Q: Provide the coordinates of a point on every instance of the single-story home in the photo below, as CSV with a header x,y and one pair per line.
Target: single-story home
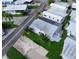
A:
x,y
53,32
22,1
15,8
71,29
56,13
69,49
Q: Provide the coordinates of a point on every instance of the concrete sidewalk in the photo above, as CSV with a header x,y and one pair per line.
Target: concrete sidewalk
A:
x,y
27,46
5,57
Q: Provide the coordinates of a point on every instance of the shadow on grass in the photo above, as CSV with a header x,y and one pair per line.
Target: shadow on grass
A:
x,y
14,54
8,25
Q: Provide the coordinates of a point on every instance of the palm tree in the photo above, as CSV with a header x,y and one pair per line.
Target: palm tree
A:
x,y
8,20
7,16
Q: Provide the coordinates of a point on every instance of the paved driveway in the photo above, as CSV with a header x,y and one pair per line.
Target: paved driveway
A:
x,y
19,20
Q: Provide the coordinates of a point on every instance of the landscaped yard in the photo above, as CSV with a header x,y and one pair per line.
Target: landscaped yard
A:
x,y
54,48
14,54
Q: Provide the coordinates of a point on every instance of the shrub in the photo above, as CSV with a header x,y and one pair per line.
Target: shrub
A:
x,y
8,25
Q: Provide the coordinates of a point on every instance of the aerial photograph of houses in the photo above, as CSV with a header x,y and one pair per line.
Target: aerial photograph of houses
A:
x,y
38,29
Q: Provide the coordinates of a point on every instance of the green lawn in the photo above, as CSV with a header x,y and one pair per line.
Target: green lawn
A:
x,y
23,13
33,7
18,15
14,54
50,1
54,48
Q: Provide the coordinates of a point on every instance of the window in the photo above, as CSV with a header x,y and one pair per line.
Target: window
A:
x,y
57,19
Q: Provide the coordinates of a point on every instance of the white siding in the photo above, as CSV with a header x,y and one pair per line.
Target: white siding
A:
x,y
53,17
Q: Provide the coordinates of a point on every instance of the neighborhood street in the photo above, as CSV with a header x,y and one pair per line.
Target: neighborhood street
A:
x,y
9,41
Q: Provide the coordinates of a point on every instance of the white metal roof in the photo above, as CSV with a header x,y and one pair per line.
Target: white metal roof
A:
x,y
57,6
73,14
69,49
22,1
45,27
70,41
74,20
72,28
15,7
7,0
64,4
57,11
73,5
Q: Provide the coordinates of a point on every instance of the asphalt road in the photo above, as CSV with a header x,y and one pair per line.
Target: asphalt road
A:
x,y
9,41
